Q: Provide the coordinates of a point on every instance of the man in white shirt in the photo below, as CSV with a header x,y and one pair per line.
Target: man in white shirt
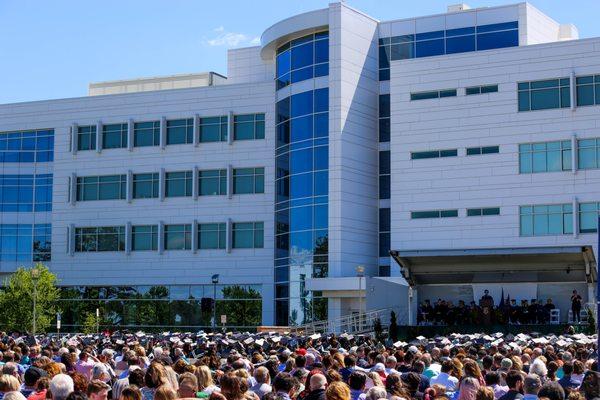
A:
x,y
444,378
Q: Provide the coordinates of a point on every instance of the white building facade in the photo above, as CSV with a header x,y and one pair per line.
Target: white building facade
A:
x,y
465,144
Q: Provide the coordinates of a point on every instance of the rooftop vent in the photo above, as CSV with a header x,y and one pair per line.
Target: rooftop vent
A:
x,y
458,7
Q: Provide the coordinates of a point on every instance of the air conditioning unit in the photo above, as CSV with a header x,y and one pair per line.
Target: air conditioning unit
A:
x,y
458,7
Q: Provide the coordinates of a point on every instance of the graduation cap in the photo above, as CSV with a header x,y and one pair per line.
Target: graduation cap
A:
x,y
260,342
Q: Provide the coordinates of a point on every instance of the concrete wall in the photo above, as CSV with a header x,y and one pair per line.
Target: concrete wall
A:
x,y
353,139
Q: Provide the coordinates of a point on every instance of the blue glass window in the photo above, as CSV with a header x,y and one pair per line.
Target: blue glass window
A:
x,y
588,217
249,127
588,90
544,220
114,136
428,48
107,187
545,157
460,44
544,95
25,243
588,153
213,129
434,214
451,41
302,58
180,131
27,146
497,40
146,134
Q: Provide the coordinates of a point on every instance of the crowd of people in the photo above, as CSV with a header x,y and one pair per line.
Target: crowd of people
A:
x,y
272,366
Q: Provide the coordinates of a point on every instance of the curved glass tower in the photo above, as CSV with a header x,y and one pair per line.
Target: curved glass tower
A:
x,y
301,204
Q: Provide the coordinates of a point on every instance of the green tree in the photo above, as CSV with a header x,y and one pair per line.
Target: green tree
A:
x,y
393,329
244,312
90,323
16,300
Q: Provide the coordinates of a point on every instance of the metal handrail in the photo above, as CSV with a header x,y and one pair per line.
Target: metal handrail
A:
x,y
353,323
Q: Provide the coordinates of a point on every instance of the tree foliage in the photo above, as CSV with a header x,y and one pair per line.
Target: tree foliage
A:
x,y
16,300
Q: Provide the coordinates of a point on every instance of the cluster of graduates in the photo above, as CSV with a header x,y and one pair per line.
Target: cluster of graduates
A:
x,y
275,366
444,312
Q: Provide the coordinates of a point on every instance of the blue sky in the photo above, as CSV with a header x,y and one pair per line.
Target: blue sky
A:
x,y
53,49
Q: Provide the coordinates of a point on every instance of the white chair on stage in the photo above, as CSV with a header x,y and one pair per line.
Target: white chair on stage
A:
x,y
555,316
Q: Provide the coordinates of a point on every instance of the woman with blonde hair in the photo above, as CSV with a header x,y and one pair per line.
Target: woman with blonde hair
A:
x,y
337,391
130,392
472,370
155,377
484,393
165,392
205,380
374,376
467,388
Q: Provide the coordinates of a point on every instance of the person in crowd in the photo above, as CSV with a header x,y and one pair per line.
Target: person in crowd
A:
x,y
61,386
97,390
85,364
30,379
263,382
131,392
567,382
514,381
445,378
357,382
188,385
337,391
8,383
531,387
318,384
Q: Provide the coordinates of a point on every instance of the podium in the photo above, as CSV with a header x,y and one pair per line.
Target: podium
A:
x,y
487,308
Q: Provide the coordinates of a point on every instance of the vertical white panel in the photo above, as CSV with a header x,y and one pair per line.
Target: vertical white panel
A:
x,y
74,131
129,186
229,236
195,236
230,128
196,130
161,237
71,239
161,184
99,136
128,238
73,189
163,132
195,183
573,90
575,217
574,154
229,181
130,130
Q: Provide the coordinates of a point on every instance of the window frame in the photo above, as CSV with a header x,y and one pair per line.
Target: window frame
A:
x,y
257,241
565,214
257,176
257,122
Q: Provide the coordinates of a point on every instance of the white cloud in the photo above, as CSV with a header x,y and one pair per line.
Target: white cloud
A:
x,y
230,39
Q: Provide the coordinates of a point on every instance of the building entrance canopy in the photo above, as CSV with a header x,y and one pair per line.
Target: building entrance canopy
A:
x,y
525,264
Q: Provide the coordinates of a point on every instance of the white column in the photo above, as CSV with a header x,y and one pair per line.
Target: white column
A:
x,y
71,240
74,131
73,189
99,136
575,217
161,184
229,181
196,140
128,238
573,90
161,237
230,128
163,132
130,130
574,154
229,235
195,236
195,183
129,186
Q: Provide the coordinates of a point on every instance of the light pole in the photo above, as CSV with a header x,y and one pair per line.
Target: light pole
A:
x,y
215,280
360,272
35,277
